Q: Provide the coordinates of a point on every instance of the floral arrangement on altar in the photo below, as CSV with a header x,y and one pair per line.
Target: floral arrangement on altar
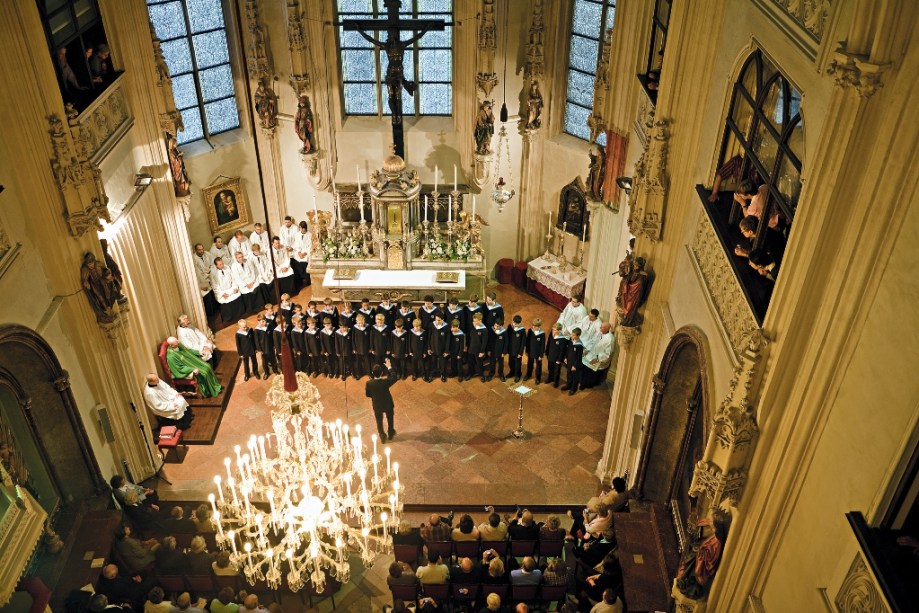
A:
x,y
458,249
349,248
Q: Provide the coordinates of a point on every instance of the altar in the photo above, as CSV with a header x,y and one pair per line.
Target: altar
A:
x,y
397,243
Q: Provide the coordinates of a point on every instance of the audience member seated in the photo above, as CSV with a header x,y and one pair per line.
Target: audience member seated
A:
x,y
138,555
169,406
522,527
465,530
401,573
99,603
199,558
184,604
522,607
496,572
224,603
466,572
251,605
764,264
407,535
436,529
202,519
171,561
616,499
221,565
178,523
527,574
587,527
156,601
593,551
123,588
752,200
591,589
557,572
144,516
552,530
434,572
494,529
774,244
609,604
274,608
145,495
492,603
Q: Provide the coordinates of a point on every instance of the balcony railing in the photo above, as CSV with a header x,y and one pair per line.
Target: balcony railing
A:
x,y
884,573
102,124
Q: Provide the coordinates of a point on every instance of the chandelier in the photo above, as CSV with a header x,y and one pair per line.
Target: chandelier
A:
x,y
301,500
502,192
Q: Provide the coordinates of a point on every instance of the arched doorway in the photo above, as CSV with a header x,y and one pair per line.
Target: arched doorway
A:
x,y
678,426
45,441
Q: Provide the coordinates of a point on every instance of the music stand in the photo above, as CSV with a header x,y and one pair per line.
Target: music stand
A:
x,y
523,392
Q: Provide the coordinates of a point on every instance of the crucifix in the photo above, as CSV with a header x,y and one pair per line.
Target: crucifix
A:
x,y
395,47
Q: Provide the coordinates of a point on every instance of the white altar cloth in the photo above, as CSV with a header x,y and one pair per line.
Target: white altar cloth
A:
x,y
567,284
394,279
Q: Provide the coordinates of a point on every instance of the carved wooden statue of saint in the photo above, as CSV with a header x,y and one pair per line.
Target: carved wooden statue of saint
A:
x,y
534,106
180,182
303,124
484,128
266,106
633,291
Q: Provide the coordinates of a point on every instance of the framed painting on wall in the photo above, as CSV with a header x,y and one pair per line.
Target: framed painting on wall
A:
x,y
226,205
573,215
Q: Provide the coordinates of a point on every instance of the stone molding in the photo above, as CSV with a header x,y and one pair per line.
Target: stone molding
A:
x,y
535,48
170,119
256,48
804,22
596,122
297,44
486,45
651,182
859,592
98,128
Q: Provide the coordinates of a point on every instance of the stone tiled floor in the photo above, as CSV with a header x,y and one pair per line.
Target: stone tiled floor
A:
x,y
454,444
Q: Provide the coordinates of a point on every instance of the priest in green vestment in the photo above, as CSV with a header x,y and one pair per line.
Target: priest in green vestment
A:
x,y
185,364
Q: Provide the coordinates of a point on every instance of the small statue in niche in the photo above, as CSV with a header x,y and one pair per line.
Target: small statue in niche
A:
x,y
484,128
303,124
597,171
534,106
94,287
701,558
266,106
633,291
112,277
180,181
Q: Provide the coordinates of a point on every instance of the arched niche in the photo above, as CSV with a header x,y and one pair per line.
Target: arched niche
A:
x,y
678,425
44,419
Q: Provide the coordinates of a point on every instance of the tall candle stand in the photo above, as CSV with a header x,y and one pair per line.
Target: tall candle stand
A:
x,y
562,259
580,256
547,256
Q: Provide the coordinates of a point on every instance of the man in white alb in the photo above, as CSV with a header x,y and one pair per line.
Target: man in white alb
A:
x,y
194,339
167,404
303,245
239,242
226,292
598,358
590,329
203,262
259,237
265,273
245,272
219,250
287,234
572,314
283,266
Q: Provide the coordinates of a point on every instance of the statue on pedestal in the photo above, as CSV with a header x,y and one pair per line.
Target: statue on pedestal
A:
x,y
534,106
303,124
701,558
484,128
633,291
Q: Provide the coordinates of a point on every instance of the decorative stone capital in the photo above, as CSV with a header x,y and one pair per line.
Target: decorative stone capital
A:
x,y
626,335
185,203
314,170
651,182
81,222
482,169
856,72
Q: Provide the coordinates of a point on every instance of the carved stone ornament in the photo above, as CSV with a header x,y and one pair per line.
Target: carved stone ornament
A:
x,y
171,119
626,335
650,183
536,51
297,44
596,122
685,604
487,43
79,179
257,47
854,71
859,592
481,169
811,15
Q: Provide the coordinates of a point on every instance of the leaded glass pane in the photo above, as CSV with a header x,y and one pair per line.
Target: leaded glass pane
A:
x,y
437,39
221,115
191,118
434,6
581,88
354,6
204,14
167,19
216,83
610,16
749,79
789,182
211,49
795,140
85,12
177,56
436,99
360,99
773,105
584,54
353,39
408,103
765,147
586,19
358,65
576,121
183,90
435,65
742,114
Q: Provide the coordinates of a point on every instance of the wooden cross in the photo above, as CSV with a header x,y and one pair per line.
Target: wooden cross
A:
x,y
395,48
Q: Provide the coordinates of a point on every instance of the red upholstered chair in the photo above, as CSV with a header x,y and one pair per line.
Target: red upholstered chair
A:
x,y
466,549
178,384
500,547
444,548
504,272
407,553
520,275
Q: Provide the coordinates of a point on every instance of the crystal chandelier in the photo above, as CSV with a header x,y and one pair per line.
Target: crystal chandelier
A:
x,y
302,499
502,192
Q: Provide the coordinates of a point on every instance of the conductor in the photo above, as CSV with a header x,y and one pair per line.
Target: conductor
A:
x,y
378,391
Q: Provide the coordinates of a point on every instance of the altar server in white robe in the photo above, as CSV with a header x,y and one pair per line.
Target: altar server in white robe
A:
x,y
597,360
288,233
226,292
265,273
247,280
194,339
572,315
260,237
167,404
204,261
220,250
590,329
239,242
282,265
303,245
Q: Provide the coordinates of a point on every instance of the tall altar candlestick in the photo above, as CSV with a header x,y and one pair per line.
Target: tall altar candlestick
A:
x,y
426,207
436,172
315,211
360,203
473,207
454,178
357,167
449,208
332,176
584,234
338,204
550,221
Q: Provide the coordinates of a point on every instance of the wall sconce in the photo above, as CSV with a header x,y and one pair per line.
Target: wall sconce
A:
x,y
625,183
142,181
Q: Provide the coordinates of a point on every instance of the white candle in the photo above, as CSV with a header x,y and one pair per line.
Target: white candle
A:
x,y
584,234
436,171
332,175
450,208
550,221
338,205
425,207
473,207
315,210
358,168
454,178
360,205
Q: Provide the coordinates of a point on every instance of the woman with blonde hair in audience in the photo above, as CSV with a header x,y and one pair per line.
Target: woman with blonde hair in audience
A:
x,y
492,603
221,565
202,519
465,530
552,530
496,572
199,558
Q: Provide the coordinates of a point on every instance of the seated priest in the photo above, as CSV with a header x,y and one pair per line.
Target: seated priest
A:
x,y
597,359
184,364
167,404
194,339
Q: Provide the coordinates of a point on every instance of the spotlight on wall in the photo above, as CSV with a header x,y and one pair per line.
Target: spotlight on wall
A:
x,y
625,183
142,180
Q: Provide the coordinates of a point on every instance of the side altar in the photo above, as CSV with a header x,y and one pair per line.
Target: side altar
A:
x,y
365,249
